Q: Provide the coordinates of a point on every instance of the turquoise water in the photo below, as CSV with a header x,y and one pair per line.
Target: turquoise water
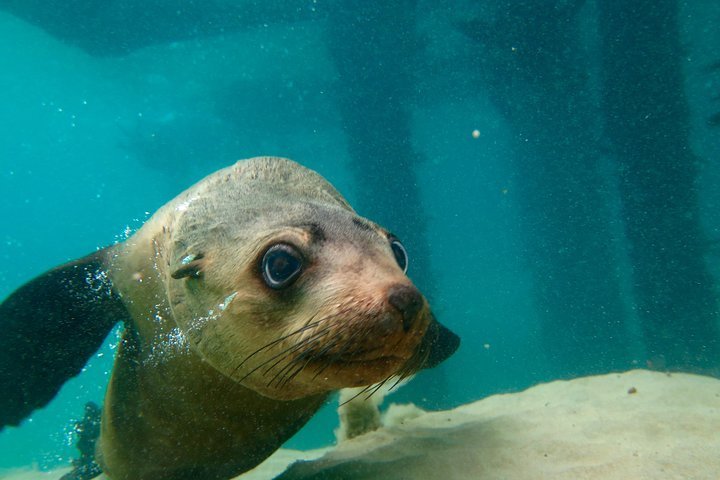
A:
x,y
91,144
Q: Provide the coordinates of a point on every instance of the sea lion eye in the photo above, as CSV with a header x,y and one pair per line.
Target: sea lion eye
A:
x,y
281,265
400,253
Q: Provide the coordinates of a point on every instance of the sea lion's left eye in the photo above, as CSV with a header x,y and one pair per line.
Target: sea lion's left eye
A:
x,y
281,265
400,253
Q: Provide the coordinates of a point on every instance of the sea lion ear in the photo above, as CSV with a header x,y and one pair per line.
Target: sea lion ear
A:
x,y
49,328
191,266
441,342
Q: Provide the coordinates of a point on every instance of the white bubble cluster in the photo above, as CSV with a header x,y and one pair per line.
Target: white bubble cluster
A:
x,y
99,282
167,345
198,323
186,204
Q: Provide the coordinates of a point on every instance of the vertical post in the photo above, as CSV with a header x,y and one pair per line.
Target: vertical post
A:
x,y
374,47
535,71
647,122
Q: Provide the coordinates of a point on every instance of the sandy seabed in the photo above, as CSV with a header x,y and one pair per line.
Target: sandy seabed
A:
x,y
635,425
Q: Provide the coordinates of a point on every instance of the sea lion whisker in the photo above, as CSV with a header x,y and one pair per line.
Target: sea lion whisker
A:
x,y
332,344
356,334
410,367
400,377
377,387
287,378
313,354
297,371
312,340
284,337
308,355
331,360
283,353
276,341
292,349
338,339
280,374
293,361
367,387
329,346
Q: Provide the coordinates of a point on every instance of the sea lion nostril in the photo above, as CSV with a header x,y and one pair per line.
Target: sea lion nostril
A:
x,y
408,301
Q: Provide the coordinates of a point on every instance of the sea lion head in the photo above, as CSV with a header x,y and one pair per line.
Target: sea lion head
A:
x,y
278,284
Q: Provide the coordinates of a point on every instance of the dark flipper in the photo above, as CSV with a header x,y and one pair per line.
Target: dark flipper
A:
x,y
49,328
88,431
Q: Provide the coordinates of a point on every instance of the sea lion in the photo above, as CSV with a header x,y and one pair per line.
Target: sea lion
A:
x,y
246,300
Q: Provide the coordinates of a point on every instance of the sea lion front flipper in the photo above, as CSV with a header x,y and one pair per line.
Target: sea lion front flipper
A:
x,y
49,328
88,431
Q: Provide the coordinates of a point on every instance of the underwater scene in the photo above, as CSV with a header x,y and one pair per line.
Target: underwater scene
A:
x,y
493,253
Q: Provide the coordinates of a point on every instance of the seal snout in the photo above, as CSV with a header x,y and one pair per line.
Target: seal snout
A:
x,y
408,301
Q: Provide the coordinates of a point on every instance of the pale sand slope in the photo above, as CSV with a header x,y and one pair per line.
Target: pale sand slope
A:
x,y
588,428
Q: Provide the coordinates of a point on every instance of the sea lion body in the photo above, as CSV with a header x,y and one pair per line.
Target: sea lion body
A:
x,y
247,300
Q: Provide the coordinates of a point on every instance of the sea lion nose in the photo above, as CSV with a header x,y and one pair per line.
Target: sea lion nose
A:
x,y
408,301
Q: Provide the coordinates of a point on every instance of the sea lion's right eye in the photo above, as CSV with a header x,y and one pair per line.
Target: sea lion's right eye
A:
x,y
400,253
281,265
